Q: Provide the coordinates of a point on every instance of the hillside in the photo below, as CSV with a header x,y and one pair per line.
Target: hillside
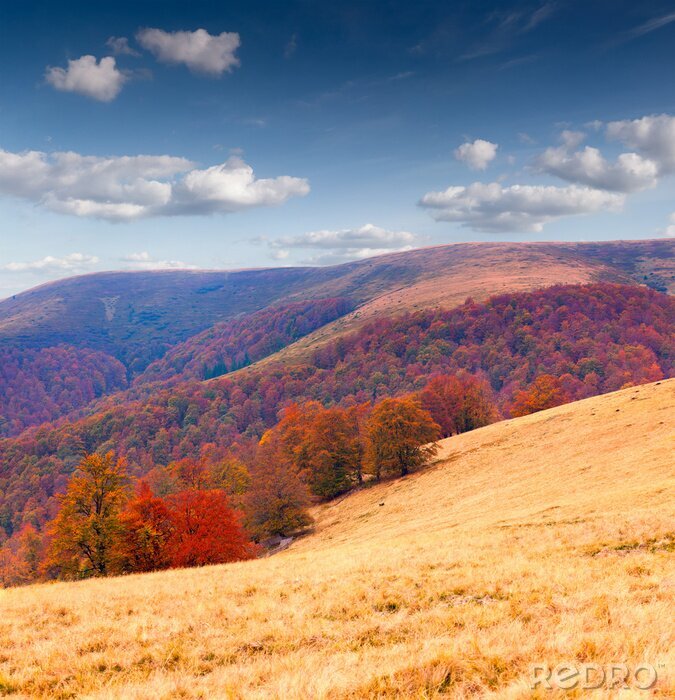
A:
x,y
547,538
136,318
593,338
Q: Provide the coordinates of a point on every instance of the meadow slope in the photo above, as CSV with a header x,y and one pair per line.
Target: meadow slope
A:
x,y
547,538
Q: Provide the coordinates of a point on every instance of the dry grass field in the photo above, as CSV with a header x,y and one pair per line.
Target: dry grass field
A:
x,y
548,538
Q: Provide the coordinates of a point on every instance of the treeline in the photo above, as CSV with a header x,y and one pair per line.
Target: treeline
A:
x,y
38,385
217,509
231,345
41,384
531,350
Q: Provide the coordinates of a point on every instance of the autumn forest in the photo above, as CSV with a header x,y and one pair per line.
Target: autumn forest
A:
x,y
206,457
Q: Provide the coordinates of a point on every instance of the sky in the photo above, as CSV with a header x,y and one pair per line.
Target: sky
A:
x,y
158,134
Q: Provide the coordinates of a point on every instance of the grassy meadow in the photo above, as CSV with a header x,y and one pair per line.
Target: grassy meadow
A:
x,y
543,539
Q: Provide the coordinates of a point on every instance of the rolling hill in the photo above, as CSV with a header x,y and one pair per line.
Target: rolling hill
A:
x,y
135,318
542,539
592,338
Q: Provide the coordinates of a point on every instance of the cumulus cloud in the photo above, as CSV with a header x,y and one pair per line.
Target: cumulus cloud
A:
x,y
67,263
336,246
629,173
199,51
478,154
99,80
130,187
144,261
652,136
232,186
526,208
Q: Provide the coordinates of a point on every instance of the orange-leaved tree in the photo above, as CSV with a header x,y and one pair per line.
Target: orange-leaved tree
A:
x,y
85,531
276,503
400,437
323,444
546,391
21,557
459,403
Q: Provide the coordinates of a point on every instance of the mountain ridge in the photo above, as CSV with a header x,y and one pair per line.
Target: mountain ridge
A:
x,y
136,316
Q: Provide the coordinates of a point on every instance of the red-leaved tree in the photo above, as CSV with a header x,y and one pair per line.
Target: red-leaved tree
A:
x,y
205,530
459,403
146,532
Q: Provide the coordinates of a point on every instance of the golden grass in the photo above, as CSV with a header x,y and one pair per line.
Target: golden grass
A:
x,y
547,538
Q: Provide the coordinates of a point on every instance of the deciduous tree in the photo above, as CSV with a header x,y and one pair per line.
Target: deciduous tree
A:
x,y
459,403
277,501
205,530
545,392
400,437
87,524
146,530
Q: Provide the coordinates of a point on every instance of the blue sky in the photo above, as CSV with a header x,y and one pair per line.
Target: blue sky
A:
x,y
140,135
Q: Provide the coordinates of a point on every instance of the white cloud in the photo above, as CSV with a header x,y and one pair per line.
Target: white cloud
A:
x,y
144,261
341,245
368,235
645,28
199,51
119,45
232,186
101,81
670,230
630,173
571,139
527,208
337,257
68,263
129,187
652,136
477,155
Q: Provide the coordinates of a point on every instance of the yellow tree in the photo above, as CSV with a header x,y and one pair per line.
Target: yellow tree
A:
x,y
86,528
400,436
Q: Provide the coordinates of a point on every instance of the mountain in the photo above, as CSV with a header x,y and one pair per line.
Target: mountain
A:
x,y
137,316
581,339
543,539
130,320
